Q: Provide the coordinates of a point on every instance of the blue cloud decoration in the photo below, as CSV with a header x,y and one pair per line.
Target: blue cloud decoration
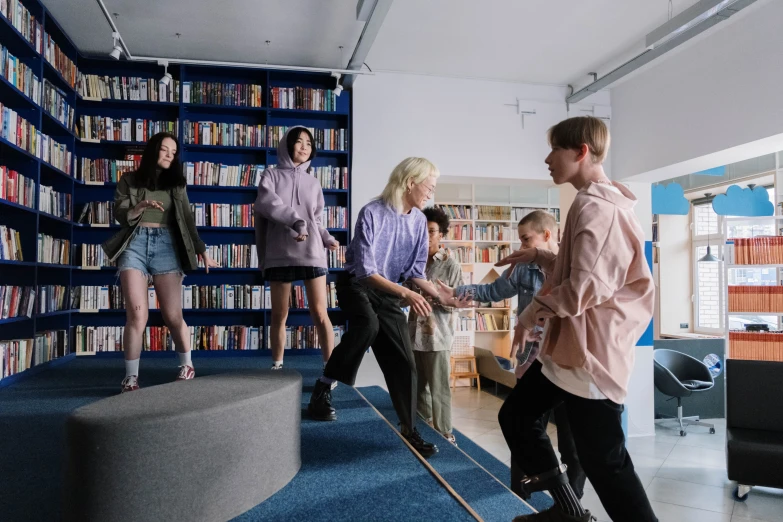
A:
x,y
669,200
743,202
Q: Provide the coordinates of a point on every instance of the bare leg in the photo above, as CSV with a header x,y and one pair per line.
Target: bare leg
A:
x,y
168,288
134,290
316,298
280,293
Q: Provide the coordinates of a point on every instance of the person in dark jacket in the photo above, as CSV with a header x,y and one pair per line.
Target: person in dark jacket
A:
x,y
158,241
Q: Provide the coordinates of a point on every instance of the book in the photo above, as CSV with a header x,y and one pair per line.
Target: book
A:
x,y
10,244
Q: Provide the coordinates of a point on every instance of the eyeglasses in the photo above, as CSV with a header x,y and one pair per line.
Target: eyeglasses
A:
x,y
430,190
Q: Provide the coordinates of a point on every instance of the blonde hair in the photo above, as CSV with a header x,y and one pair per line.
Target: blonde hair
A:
x,y
539,221
573,132
416,169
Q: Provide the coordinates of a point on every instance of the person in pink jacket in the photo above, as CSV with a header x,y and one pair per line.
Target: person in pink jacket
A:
x,y
291,239
597,302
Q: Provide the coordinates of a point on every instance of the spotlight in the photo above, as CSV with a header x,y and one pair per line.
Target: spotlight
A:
x,y
338,88
166,80
117,51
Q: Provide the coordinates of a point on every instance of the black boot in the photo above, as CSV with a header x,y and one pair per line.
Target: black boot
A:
x,y
320,407
425,449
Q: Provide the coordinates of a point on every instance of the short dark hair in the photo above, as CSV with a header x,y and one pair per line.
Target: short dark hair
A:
x,y
540,220
436,215
293,136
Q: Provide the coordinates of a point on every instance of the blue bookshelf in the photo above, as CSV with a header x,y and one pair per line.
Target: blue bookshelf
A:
x,y
31,222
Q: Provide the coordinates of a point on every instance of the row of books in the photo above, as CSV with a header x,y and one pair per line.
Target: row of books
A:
x,y
23,134
22,354
325,139
493,233
492,212
97,213
457,211
194,297
89,339
488,322
93,256
336,258
16,301
55,103
517,213
53,250
10,244
222,175
756,346
105,170
763,250
224,134
298,297
16,188
755,299
216,93
129,88
331,177
52,298
54,203
233,256
304,98
59,60
335,217
222,214
465,324
460,233
20,75
306,337
122,129
464,255
24,22
492,254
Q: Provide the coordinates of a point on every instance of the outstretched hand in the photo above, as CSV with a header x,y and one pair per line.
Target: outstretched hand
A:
x,y
525,255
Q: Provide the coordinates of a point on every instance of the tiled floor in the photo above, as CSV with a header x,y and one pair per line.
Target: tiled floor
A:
x,y
685,477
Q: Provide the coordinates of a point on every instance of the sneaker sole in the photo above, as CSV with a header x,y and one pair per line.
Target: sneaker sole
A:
x,y
428,454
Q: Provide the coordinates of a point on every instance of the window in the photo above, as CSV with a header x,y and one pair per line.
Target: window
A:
x,y
708,277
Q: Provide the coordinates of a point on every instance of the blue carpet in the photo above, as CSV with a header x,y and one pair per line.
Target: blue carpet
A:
x,y
540,501
352,469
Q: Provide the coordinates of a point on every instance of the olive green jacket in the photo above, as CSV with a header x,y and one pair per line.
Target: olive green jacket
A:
x,y
127,196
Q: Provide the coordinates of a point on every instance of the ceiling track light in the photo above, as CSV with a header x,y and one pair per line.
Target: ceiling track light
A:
x,y
166,80
117,51
338,88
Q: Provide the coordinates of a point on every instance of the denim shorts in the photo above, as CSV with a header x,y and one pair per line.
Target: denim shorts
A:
x,y
152,252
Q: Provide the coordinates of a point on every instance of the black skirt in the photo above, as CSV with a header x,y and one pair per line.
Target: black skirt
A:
x,y
289,274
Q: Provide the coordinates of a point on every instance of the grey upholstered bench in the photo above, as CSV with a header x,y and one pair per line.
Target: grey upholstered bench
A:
x,y
206,449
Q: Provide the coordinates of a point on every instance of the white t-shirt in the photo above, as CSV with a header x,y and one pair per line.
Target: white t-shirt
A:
x,y
575,381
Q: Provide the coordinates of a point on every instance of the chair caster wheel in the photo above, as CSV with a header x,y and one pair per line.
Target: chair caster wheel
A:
x,y
682,433
737,496
712,431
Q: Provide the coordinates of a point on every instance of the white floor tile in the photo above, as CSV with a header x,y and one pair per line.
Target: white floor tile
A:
x,y
646,465
475,425
699,455
673,513
591,501
691,495
762,504
715,441
648,447
699,473
483,414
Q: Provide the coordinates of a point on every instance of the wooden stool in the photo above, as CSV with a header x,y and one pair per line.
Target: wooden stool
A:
x,y
472,372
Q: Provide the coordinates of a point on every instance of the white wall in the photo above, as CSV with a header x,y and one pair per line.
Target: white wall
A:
x,y
720,92
462,125
676,274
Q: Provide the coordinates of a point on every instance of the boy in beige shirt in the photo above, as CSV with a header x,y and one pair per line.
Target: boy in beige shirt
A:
x,y
597,302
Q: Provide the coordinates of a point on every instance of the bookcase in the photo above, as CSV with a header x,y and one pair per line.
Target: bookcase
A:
x,y
753,259
71,128
484,230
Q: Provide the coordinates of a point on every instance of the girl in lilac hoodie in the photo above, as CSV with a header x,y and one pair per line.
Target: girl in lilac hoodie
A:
x,y
291,238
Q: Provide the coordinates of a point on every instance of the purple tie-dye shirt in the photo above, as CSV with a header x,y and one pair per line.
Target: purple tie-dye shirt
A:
x,y
389,244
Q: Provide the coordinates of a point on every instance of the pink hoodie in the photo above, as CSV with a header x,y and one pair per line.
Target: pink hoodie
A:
x,y
602,293
290,203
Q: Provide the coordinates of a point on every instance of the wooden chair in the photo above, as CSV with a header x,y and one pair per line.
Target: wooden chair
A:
x,y
463,361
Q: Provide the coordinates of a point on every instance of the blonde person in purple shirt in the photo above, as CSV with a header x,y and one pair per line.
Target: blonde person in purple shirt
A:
x,y
390,246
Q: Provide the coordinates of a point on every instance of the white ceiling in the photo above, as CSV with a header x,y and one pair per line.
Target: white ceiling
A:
x,y
302,32
532,41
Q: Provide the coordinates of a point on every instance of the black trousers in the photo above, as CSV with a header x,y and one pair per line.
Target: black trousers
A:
x,y
598,438
375,319
566,447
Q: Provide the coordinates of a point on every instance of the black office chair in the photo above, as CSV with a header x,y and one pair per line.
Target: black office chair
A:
x,y
679,375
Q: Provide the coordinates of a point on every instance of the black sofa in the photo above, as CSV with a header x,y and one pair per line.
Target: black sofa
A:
x,y
754,424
